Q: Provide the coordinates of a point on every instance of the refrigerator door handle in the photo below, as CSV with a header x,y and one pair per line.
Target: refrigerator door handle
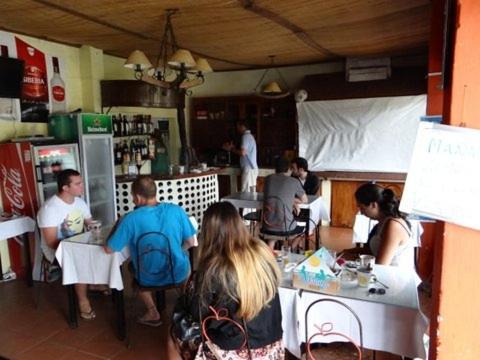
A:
x,y
39,176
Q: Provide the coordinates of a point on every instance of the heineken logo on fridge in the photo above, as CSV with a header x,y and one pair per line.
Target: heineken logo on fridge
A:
x,y
97,129
96,124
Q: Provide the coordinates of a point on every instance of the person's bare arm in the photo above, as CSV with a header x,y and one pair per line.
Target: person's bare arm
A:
x,y
107,249
240,151
301,200
50,236
88,221
393,235
190,242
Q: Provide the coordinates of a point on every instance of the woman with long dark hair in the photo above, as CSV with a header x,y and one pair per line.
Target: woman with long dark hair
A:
x,y
238,273
391,240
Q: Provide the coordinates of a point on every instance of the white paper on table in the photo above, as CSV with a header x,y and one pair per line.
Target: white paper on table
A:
x,y
361,228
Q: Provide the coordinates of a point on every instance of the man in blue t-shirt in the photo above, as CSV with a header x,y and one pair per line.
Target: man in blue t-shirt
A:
x,y
150,216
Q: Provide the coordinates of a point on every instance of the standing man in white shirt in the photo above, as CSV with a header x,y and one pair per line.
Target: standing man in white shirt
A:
x,y
248,156
63,215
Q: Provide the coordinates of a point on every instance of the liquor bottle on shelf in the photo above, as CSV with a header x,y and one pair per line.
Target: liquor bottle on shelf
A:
x,y
118,154
126,126
115,126
145,125
57,86
139,125
144,149
151,149
133,125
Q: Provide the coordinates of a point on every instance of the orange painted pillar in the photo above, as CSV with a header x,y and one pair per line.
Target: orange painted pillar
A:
x,y
455,320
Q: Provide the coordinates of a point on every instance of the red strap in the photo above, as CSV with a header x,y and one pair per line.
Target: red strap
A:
x,y
222,314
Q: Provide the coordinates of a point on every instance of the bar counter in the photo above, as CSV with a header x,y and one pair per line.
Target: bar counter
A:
x,y
192,191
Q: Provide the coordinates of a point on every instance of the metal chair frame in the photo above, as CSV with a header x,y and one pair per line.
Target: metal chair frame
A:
x,y
159,291
285,234
338,302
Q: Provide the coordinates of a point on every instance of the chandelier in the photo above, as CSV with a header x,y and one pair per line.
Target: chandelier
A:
x,y
171,59
272,89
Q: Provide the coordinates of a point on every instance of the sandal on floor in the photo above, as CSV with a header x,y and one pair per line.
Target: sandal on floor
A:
x,y
153,323
105,292
88,315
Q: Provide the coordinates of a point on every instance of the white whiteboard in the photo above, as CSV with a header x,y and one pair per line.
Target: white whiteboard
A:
x,y
443,181
374,134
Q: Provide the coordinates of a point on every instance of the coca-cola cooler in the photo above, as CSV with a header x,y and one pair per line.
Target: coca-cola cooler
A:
x,y
28,178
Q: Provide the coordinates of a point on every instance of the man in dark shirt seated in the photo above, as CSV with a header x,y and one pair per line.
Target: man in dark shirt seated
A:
x,y
309,181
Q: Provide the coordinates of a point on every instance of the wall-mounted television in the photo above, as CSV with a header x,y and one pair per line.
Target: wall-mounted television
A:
x,y
11,77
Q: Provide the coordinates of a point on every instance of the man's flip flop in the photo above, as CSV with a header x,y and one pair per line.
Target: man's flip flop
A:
x,y
153,323
88,315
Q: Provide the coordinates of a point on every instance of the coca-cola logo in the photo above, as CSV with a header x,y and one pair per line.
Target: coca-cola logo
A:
x,y
12,187
58,93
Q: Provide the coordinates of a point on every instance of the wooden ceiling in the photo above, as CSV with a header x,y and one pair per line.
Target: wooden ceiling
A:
x,y
232,34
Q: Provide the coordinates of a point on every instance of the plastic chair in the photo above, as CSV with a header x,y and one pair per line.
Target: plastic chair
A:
x,y
329,331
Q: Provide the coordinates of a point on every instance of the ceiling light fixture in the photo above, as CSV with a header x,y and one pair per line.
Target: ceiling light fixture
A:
x,y
171,58
272,89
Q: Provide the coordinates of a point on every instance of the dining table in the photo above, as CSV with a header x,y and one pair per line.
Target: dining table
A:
x,y
316,210
83,260
391,322
18,226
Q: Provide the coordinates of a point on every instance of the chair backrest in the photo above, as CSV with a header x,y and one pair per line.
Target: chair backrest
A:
x,y
345,306
274,214
155,263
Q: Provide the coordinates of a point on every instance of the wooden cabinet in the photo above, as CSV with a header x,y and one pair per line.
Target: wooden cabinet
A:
x,y
272,122
344,206
137,93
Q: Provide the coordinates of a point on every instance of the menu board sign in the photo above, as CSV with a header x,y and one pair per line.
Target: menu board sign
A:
x,y
443,181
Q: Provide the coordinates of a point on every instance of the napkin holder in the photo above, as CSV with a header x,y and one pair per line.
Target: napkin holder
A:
x,y
314,273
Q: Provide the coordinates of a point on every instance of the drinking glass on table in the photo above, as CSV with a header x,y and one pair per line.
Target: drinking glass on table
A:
x,y
286,254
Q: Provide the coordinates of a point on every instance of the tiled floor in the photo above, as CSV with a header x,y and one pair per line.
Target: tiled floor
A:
x,y
31,332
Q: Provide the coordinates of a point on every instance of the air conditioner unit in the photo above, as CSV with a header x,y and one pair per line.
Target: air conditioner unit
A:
x,y
367,69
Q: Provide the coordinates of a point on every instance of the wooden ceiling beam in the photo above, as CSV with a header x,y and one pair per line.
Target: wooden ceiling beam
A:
x,y
295,29
94,20
130,32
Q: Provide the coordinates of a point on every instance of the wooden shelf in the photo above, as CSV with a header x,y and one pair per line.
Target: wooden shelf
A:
x,y
272,122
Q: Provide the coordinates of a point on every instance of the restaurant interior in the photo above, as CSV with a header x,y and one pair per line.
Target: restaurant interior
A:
x,y
119,89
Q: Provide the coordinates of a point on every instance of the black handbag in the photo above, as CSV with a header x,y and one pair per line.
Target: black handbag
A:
x,y
185,330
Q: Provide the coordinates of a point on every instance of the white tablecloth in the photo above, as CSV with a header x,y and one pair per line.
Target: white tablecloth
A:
x,y
10,227
392,322
82,261
89,264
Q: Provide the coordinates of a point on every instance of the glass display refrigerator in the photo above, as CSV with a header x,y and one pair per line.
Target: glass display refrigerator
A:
x,y
48,160
28,167
94,135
